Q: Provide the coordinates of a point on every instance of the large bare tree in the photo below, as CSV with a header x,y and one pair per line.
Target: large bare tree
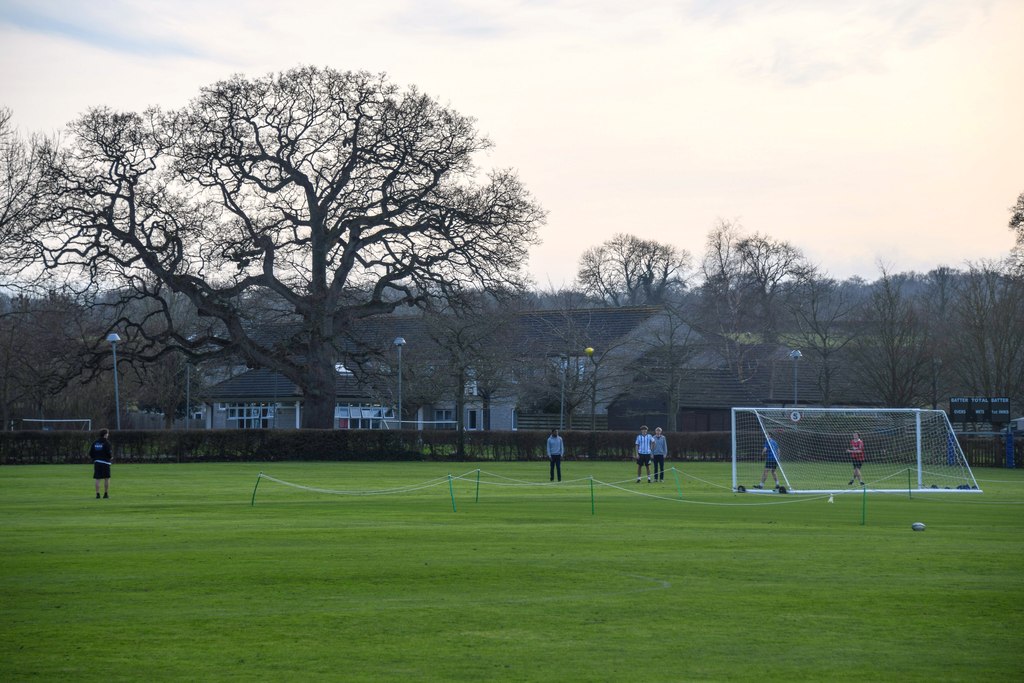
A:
x,y
323,196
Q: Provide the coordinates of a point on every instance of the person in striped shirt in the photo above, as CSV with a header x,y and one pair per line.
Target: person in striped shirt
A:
x,y
643,453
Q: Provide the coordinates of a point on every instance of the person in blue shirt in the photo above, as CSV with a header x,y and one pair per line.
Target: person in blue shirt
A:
x,y
556,449
771,461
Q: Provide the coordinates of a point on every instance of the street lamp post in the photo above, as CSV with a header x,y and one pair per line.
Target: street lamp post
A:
x,y
795,355
564,362
399,343
113,338
188,394
936,364
592,446
593,399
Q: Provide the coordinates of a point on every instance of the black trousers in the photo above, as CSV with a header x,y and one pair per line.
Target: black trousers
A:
x,y
556,465
659,467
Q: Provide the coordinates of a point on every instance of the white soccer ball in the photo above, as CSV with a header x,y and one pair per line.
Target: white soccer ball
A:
x,y
917,526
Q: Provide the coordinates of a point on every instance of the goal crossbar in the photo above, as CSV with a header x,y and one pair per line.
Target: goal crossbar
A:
x,y
847,450
84,424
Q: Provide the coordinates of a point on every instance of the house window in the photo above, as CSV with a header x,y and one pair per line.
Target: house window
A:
x,y
580,365
362,416
472,419
444,418
250,415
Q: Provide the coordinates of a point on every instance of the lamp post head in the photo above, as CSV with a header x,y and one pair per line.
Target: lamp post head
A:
x,y
589,351
795,354
113,338
399,342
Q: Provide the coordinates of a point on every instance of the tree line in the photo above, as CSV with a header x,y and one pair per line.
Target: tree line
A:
x,y
264,223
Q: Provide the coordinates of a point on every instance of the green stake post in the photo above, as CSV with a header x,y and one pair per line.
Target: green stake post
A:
x,y
679,487
592,510
258,477
451,490
864,505
477,486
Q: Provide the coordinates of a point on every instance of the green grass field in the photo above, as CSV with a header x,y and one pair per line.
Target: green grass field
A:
x,y
415,576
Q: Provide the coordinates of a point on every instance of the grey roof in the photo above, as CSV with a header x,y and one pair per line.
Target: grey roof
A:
x,y
267,385
543,332
549,332
714,388
767,379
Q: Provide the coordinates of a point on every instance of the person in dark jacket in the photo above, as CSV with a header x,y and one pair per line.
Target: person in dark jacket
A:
x,y
659,449
101,455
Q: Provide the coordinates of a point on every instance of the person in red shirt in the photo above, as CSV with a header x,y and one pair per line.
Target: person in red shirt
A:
x,y
856,451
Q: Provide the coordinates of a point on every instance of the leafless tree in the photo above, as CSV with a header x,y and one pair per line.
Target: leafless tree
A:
x,y
556,376
162,378
724,301
629,271
748,280
667,350
1017,224
769,268
468,356
988,346
824,311
42,353
892,352
1017,218
334,194
22,192
940,288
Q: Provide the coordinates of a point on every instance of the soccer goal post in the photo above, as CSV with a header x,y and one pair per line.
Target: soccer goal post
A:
x,y
823,450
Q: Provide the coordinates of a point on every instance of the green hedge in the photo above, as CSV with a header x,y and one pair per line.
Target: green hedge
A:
x,y
28,447
259,445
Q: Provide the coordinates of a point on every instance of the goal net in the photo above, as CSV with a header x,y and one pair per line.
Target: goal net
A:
x,y
834,450
56,425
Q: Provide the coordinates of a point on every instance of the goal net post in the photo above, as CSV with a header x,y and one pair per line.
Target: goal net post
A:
x,y
901,450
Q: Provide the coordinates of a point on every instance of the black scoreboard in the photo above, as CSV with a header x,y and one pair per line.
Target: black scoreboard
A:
x,y
979,409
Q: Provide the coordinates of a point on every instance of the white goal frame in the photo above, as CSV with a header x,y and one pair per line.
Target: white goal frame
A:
x,y
86,424
922,454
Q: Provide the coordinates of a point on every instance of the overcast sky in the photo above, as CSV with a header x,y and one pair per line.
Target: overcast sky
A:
x,y
861,131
